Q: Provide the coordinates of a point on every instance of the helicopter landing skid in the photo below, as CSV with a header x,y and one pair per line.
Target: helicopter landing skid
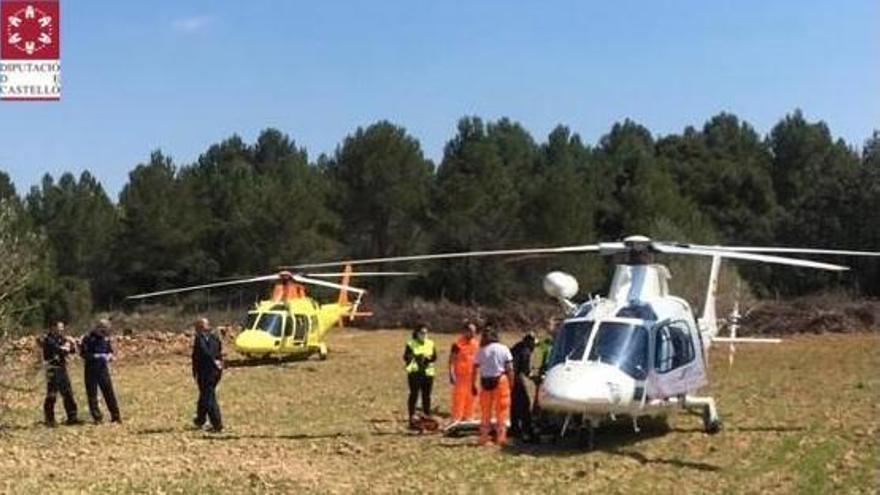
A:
x,y
706,405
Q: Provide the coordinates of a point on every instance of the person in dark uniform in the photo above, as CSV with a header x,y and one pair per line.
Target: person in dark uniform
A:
x,y
207,367
56,347
97,353
521,406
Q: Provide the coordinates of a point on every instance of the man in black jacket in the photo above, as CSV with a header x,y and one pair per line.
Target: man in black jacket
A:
x,y
521,407
97,353
207,367
56,347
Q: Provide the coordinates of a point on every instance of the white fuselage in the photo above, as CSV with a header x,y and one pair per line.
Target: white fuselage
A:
x,y
632,353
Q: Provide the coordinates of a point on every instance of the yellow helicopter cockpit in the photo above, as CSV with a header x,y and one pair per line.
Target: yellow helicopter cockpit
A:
x,y
273,330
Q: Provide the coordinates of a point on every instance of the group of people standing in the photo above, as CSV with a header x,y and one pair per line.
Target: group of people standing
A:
x,y
482,371
97,352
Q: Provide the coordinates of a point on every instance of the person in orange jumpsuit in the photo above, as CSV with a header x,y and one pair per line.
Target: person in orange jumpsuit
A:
x,y
461,365
494,365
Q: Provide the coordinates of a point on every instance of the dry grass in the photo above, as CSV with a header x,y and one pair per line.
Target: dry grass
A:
x,y
799,418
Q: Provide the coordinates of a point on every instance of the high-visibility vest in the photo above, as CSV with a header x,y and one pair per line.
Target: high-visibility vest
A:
x,y
545,346
425,349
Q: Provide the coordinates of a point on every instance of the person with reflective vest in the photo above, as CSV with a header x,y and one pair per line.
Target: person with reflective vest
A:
x,y
544,349
494,366
419,357
461,367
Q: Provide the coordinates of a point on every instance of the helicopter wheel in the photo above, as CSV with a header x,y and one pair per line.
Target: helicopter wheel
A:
x,y
711,425
322,352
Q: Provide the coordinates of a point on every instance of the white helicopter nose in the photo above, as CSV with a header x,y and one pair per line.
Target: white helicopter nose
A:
x,y
585,387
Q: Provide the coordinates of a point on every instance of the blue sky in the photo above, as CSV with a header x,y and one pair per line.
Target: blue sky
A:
x,y
184,74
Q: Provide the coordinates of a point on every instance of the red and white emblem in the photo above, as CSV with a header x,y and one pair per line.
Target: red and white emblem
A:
x,y
30,30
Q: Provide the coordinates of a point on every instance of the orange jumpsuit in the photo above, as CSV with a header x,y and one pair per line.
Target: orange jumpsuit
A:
x,y
499,400
463,398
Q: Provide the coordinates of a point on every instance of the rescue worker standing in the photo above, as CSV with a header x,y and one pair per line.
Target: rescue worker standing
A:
x,y
461,367
521,407
56,347
97,353
544,348
207,368
419,357
493,364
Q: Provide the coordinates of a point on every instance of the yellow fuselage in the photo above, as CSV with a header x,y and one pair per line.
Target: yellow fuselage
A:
x,y
294,326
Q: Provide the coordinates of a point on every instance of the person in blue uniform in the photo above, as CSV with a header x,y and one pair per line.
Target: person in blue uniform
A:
x,y
56,347
97,353
207,368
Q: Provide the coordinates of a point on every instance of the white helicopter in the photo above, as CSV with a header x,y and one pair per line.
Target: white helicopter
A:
x,y
639,351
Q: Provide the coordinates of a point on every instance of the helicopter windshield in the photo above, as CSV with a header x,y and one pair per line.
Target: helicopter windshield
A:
x,y
251,320
624,345
270,323
570,342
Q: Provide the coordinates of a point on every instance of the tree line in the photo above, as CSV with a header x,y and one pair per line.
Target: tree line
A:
x,y
243,209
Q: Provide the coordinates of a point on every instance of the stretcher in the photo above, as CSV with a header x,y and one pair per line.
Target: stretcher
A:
x,y
465,427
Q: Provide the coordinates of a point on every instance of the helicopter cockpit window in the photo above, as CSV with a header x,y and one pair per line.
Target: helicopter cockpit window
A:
x,y
270,323
675,348
570,342
288,326
251,320
640,311
624,345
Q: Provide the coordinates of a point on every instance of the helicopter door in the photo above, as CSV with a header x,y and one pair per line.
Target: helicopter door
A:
x,y
301,329
677,368
287,334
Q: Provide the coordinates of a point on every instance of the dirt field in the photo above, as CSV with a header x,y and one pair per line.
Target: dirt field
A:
x,y
801,417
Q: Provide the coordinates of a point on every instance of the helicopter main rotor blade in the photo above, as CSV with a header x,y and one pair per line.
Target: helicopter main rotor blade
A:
x,y
361,274
250,280
708,251
787,250
463,254
306,280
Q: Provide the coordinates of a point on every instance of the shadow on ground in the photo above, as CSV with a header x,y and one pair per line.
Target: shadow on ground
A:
x,y
613,440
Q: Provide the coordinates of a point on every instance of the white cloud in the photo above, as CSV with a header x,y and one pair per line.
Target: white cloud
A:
x,y
193,24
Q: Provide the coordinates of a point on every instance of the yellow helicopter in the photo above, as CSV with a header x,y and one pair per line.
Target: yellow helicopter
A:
x,y
290,323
